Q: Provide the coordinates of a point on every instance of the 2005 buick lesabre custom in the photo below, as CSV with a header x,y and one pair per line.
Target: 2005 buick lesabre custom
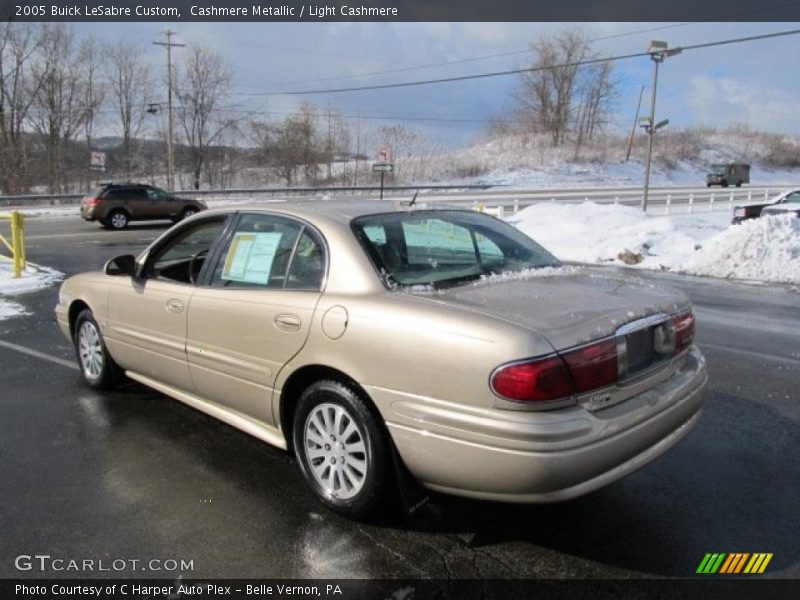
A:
x,y
373,339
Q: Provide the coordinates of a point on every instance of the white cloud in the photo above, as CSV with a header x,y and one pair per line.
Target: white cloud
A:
x,y
725,100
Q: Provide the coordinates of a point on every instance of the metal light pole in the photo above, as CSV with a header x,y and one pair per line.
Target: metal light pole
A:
x,y
658,52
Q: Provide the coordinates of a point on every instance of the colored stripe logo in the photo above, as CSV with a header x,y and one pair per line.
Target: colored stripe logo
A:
x,y
734,563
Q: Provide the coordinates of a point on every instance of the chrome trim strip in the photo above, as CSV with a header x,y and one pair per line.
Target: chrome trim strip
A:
x,y
642,323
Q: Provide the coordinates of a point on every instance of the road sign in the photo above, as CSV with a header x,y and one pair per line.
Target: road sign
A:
x,y
383,167
385,154
97,161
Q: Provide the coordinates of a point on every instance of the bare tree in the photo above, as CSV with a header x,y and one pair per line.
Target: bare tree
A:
x,y
263,134
560,95
19,43
90,58
129,81
201,90
58,91
299,145
597,92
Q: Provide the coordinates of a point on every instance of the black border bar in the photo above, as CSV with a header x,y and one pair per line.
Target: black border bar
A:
x,y
400,10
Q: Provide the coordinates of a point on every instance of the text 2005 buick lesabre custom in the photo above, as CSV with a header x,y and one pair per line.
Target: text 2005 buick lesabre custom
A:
x,y
369,338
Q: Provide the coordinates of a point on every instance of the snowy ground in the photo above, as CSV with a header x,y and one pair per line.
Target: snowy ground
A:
x,y
34,277
619,174
766,250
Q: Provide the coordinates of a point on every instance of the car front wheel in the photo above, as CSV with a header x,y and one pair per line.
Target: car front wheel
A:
x,y
97,367
342,449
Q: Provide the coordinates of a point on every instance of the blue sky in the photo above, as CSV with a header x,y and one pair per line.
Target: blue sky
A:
x,y
754,84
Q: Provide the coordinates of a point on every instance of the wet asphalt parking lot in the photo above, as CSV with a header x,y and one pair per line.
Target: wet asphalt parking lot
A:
x,y
133,474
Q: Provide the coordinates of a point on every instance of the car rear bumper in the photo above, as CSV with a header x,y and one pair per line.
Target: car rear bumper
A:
x,y
544,456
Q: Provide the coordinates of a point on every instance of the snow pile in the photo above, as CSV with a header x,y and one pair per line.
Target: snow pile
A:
x,y
599,233
765,249
34,277
703,243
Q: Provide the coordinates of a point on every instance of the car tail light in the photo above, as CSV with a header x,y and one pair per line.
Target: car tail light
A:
x,y
575,371
593,366
89,201
534,380
684,331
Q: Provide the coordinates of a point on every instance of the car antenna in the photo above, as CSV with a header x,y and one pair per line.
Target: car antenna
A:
x,y
414,199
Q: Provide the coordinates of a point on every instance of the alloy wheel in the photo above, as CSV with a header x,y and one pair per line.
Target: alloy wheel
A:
x,y
90,350
335,449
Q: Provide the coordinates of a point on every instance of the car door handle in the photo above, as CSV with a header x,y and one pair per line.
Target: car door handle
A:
x,y
287,322
174,305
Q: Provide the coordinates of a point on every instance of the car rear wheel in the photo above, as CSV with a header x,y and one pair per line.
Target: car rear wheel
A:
x,y
118,219
342,449
97,367
188,212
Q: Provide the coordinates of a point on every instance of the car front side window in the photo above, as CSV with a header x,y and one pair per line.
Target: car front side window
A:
x,y
156,194
182,257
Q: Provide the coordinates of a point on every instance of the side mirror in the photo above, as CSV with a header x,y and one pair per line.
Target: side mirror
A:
x,y
121,265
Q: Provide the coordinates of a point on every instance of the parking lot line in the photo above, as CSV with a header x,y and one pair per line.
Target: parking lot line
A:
x,y
37,354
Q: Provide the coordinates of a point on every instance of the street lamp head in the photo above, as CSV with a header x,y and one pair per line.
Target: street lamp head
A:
x,y
661,124
659,50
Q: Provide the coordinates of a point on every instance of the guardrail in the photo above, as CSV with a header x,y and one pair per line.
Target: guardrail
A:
x,y
17,245
673,200
662,199
56,199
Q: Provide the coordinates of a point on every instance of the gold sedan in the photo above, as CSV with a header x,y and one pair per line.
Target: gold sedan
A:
x,y
381,342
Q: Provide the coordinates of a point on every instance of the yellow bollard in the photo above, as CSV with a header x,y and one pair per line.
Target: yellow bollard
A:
x,y
18,242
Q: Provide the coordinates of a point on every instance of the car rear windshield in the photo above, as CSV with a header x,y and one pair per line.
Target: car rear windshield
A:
x,y
442,247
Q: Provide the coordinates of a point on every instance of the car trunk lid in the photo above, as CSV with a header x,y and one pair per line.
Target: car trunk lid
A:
x,y
569,306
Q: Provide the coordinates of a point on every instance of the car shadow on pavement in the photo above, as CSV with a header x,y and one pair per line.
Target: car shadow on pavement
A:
x,y
730,486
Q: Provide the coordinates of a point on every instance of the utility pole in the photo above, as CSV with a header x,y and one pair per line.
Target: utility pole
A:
x,y
169,45
635,122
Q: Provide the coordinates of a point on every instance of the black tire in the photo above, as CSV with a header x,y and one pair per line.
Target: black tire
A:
x,y
377,477
184,214
104,373
117,220
724,184
738,184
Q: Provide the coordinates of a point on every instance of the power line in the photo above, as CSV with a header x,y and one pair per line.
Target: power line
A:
x,y
523,70
455,62
518,52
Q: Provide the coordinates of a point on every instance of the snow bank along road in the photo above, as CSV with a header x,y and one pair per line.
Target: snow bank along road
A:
x,y
134,474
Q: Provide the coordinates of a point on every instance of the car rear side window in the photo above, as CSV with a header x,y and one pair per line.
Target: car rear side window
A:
x,y
270,251
445,247
116,194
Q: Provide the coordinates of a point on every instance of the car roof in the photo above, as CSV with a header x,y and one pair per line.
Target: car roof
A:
x,y
109,186
339,210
